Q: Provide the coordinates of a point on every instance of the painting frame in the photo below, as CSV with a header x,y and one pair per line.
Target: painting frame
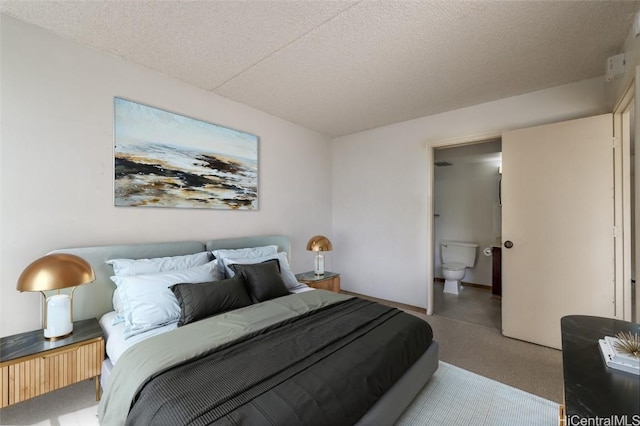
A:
x,y
166,159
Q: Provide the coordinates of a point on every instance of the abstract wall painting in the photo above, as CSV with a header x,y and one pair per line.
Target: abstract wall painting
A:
x,y
163,159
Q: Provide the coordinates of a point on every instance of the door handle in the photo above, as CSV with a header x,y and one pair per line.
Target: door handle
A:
x,y
508,244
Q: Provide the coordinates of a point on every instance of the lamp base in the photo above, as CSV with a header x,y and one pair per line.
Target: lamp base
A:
x,y
54,338
58,317
318,267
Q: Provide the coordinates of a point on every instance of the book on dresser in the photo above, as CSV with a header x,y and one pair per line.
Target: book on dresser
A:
x,y
617,359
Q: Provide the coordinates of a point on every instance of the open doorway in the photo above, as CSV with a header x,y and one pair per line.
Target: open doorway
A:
x,y
622,292
467,210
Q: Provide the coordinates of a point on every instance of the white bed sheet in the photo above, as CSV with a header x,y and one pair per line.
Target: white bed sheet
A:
x,y
114,336
300,288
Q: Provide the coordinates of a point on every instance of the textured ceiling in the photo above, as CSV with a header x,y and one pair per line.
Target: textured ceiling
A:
x,y
339,67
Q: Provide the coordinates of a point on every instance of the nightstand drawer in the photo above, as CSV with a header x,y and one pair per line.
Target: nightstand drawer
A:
x,y
331,284
34,375
329,281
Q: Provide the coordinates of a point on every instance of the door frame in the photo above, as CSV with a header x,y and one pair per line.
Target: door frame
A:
x,y
431,146
622,182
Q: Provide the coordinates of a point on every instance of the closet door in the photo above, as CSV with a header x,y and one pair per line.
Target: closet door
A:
x,y
557,226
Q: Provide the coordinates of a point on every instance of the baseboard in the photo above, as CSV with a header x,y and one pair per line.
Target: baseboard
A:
x,y
480,286
387,302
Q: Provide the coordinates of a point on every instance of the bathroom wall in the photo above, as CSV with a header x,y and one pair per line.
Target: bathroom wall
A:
x,y
466,201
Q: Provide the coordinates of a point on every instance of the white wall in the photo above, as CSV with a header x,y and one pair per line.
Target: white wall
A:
x,y
381,185
56,174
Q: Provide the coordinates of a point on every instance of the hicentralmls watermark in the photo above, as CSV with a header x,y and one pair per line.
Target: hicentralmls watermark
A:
x,y
615,420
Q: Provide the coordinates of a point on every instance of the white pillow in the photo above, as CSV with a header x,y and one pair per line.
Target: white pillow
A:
x,y
126,267
288,276
148,301
245,253
118,306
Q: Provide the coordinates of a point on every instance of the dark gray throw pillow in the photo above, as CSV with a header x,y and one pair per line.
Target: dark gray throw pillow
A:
x,y
203,300
263,279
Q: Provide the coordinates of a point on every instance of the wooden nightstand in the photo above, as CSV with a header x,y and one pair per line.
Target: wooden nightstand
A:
x,y
30,365
329,281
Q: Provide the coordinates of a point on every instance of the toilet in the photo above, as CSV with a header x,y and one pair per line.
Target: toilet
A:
x,y
457,256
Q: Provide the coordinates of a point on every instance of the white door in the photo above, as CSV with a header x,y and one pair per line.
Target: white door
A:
x,y
557,211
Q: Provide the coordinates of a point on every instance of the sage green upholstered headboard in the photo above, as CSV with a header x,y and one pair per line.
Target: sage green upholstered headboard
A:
x,y
94,299
235,243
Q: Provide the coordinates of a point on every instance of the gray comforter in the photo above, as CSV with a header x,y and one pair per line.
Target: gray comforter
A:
x,y
312,358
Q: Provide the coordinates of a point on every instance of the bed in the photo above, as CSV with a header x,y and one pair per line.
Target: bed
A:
x,y
300,357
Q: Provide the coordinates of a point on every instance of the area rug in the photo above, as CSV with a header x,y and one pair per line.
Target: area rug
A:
x,y
457,397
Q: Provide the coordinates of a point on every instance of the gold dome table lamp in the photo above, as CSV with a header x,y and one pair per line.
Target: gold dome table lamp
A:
x,y
319,243
55,272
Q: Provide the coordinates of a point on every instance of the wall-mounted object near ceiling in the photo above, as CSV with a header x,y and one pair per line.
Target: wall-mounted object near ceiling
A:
x,y
163,159
615,67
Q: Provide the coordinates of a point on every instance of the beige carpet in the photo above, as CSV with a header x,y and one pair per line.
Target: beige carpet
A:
x,y
73,405
485,351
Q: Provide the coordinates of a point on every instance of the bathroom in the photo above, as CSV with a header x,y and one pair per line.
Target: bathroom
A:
x,y
467,208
